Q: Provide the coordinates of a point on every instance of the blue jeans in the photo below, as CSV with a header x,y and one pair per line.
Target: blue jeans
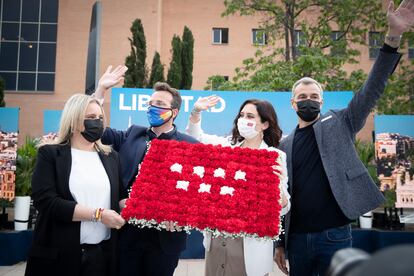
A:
x,y
311,253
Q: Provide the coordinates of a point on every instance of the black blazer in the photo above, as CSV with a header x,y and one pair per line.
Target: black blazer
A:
x,y
56,240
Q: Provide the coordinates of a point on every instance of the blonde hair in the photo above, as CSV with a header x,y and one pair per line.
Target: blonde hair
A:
x,y
307,81
72,119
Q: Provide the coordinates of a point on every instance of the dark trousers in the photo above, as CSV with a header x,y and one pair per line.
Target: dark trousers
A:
x,y
140,254
96,259
311,253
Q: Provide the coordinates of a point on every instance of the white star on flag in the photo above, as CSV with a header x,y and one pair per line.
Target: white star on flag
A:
x,y
204,188
176,168
240,175
219,173
182,185
225,190
199,170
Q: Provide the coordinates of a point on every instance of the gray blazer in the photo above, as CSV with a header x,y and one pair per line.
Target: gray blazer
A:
x,y
335,131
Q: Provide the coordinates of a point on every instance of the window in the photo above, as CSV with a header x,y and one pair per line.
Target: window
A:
x,y
411,47
220,35
226,78
376,39
300,40
259,37
28,30
338,44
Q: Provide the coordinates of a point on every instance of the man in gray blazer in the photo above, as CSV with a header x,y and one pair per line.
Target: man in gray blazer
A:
x,y
328,183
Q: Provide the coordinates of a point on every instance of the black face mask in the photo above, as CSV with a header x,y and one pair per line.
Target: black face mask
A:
x,y
93,129
308,110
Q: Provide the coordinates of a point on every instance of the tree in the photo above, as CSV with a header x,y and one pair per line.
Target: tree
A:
x,y
314,48
283,19
175,71
157,71
398,97
271,73
137,69
187,59
2,85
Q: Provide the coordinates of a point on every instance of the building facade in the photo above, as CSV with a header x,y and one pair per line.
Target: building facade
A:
x,y
44,45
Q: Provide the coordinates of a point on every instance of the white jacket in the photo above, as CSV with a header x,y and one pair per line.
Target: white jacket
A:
x,y
258,254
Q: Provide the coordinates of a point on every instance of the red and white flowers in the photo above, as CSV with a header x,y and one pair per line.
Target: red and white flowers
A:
x,y
227,191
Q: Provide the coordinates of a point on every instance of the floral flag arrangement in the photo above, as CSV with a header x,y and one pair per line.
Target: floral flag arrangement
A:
x,y
226,191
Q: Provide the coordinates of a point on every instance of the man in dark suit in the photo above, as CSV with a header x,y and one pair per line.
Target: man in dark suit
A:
x,y
328,183
145,251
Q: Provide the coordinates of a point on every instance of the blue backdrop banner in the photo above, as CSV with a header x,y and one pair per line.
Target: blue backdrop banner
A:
x,y
128,106
51,120
9,119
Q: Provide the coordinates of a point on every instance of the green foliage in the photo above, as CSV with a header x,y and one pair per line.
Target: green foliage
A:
x,y
321,52
187,56
366,153
2,85
26,161
175,71
352,18
137,69
157,71
390,198
271,73
399,93
4,203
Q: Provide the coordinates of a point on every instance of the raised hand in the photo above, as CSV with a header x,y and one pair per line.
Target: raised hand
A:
x,y
400,20
205,103
112,77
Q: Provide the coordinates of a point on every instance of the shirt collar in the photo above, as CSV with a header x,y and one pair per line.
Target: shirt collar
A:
x,y
165,135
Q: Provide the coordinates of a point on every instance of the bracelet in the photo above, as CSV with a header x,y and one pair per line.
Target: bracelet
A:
x,y
97,214
393,38
394,41
195,112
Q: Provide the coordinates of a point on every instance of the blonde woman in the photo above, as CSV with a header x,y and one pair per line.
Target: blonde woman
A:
x,y
255,126
76,189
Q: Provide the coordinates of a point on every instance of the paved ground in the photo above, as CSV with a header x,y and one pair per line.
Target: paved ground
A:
x,y
185,268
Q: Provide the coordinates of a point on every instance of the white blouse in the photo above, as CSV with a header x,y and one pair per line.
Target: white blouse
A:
x,y
90,187
196,131
258,253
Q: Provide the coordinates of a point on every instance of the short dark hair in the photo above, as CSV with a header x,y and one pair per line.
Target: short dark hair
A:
x,y
163,86
267,113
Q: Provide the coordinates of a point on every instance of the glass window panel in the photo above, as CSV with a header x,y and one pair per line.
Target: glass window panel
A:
x,y
259,37
48,32
27,81
8,56
30,10
11,10
46,82
10,80
49,11
224,35
375,41
216,35
29,32
10,31
47,57
28,55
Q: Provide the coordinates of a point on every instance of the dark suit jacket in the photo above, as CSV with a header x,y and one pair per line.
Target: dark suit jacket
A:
x,y
131,146
56,242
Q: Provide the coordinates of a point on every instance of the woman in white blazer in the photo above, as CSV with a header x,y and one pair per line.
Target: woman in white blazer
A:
x,y
255,126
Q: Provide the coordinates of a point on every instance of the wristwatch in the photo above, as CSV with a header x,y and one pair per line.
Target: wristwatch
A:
x,y
393,40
